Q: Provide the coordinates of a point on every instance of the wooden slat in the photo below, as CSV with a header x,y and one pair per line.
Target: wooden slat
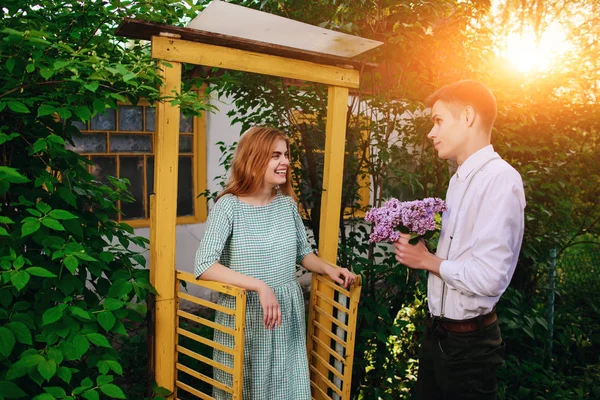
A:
x,y
332,285
332,303
327,365
327,381
203,378
321,391
331,319
139,29
328,333
205,303
205,341
184,51
329,350
193,391
204,359
205,321
212,285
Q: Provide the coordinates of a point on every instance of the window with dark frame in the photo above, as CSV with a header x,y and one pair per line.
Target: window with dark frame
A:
x,y
121,143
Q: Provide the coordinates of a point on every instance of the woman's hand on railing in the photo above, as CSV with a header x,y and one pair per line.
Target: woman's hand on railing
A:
x,y
270,306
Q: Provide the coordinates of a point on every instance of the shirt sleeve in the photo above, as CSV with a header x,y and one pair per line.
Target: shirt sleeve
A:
x,y
219,226
497,236
303,248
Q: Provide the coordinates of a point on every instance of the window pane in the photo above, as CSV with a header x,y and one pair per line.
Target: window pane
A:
x,y
104,122
185,143
103,167
185,187
92,143
132,168
130,143
150,119
149,181
186,124
82,126
130,118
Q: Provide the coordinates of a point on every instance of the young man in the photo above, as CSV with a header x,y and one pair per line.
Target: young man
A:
x,y
477,252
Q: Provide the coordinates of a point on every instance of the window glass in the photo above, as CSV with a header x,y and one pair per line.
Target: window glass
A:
x,y
130,118
132,168
105,121
88,143
130,143
185,195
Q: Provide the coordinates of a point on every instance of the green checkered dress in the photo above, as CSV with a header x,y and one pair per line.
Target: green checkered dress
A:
x,y
267,243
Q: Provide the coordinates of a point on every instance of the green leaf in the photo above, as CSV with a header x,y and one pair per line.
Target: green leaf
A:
x,y
46,73
120,288
47,369
29,360
52,224
39,145
11,391
112,304
83,113
91,86
30,227
43,207
81,345
64,113
112,390
20,279
52,315
4,232
10,64
30,68
39,271
91,395
64,373
21,332
98,106
71,263
98,340
19,262
104,379
45,396
80,313
115,366
106,319
7,342
11,175
62,214
18,107
3,136
83,256
6,220
46,109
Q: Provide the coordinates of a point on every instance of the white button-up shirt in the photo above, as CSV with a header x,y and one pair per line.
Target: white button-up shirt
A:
x,y
480,242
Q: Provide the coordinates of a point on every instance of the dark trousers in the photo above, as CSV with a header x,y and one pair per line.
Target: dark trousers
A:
x,y
459,365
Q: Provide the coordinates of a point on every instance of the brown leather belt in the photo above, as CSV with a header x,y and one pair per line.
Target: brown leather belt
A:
x,y
465,326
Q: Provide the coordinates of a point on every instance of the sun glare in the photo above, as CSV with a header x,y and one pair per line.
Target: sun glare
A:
x,y
525,54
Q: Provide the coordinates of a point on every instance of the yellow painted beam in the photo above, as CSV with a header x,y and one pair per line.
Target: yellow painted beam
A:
x,y
163,229
200,162
331,203
242,60
331,199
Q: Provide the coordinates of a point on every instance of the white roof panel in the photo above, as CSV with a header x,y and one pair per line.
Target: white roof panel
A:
x,y
233,20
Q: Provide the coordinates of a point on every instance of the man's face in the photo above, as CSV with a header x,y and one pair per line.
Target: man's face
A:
x,y
449,133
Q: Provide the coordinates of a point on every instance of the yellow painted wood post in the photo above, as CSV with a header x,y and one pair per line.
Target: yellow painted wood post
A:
x,y
164,225
335,144
200,161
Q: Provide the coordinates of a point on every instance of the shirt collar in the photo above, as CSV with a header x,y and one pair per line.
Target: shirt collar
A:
x,y
475,160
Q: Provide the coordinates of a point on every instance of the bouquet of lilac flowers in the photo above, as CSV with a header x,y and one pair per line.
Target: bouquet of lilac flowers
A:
x,y
395,217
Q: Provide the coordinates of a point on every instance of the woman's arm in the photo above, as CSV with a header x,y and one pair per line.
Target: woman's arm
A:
x,y
271,311
340,275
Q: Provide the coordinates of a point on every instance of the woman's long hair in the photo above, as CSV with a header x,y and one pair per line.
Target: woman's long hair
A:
x,y
250,161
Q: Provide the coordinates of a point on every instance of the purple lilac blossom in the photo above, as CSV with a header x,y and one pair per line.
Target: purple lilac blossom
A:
x,y
417,216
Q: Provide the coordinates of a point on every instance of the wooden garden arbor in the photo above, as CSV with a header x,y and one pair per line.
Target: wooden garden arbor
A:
x,y
176,46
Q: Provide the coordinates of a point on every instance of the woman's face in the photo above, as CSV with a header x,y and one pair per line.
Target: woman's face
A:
x,y
276,173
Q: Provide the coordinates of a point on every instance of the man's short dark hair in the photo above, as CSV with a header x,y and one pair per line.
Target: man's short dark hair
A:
x,y
468,93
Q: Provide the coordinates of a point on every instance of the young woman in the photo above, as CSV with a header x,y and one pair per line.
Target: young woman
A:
x,y
254,239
